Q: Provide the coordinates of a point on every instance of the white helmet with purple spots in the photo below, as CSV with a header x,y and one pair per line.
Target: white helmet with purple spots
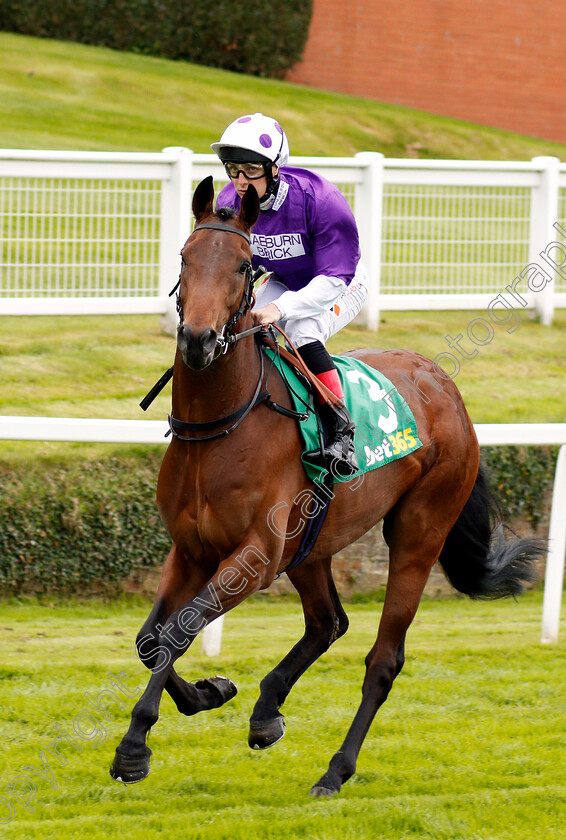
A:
x,y
253,137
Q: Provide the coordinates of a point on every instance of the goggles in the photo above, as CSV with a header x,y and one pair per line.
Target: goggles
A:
x,y
251,171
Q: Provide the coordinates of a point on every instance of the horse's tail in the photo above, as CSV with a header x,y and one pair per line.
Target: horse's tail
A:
x,y
476,558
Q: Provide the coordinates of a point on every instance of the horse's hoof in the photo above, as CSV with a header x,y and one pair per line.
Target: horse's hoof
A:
x,y
218,688
320,790
130,769
333,779
266,733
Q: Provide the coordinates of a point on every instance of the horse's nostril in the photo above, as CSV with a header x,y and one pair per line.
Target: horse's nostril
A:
x,y
208,339
184,336
196,347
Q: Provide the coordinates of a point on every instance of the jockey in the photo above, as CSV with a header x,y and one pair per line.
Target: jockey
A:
x,y
307,239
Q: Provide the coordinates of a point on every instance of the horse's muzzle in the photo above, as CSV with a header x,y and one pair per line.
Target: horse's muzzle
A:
x,y
197,348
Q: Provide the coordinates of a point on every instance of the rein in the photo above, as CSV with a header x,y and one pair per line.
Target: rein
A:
x,y
176,427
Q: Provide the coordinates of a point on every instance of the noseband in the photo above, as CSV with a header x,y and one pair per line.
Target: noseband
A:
x,y
226,339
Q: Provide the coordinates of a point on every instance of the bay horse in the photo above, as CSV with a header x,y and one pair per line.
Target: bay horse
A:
x,y
231,492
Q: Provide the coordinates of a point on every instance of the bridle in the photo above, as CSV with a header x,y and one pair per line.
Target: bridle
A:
x,y
226,338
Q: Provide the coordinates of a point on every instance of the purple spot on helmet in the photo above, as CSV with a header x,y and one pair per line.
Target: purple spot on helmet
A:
x,y
266,141
278,127
244,119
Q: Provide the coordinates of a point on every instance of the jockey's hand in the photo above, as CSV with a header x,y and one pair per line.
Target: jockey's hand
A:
x,y
266,315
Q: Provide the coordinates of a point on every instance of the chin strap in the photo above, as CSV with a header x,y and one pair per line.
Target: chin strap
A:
x,y
267,201
270,195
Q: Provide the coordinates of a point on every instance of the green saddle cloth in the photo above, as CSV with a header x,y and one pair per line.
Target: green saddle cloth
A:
x,y
385,425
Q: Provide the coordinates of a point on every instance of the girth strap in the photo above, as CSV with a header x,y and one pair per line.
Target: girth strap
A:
x,y
314,524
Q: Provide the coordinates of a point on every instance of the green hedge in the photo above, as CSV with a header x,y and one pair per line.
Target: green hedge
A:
x,y
83,526
261,37
79,524
521,476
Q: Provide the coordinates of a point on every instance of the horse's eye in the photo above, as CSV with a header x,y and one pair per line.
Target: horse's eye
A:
x,y
245,267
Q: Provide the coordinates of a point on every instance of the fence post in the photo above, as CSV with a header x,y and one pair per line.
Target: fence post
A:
x,y
175,226
212,637
369,215
544,213
554,576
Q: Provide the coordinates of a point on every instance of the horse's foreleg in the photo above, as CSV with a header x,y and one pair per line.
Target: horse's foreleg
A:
x,y
225,590
189,698
181,580
325,621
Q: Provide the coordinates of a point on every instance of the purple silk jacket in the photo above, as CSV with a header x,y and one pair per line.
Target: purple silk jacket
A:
x,y
309,230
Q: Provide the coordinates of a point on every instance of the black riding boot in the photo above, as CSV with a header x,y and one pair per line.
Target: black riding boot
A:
x,y
340,450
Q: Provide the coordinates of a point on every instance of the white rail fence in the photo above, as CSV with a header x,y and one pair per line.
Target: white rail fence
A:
x,y
100,232
152,431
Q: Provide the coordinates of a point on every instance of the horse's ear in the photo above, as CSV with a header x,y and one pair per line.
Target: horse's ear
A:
x,y
203,199
249,210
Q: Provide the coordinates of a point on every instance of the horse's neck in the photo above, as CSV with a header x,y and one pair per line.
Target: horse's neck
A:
x,y
219,389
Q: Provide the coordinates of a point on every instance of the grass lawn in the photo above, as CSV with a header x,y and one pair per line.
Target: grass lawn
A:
x,y
58,95
469,745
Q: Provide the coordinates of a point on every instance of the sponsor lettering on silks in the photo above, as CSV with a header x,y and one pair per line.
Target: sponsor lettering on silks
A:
x,y
282,246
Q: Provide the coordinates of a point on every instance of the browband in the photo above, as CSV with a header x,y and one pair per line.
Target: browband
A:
x,y
219,226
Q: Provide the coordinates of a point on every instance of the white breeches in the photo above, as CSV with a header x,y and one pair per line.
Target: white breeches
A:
x,y
318,327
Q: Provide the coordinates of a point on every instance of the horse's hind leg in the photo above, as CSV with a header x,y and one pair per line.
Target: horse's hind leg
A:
x,y
325,621
415,531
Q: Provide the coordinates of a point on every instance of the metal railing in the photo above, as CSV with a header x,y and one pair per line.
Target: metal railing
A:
x,y
152,431
100,232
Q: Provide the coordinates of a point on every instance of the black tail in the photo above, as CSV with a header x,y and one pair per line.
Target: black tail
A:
x,y
476,558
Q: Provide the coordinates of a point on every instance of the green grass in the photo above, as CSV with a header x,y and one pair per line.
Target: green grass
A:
x,y
469,745
59,95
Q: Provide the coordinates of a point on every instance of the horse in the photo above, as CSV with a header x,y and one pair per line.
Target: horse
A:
x,y
232,493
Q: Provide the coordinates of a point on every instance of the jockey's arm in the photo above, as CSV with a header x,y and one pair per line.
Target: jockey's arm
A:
x,y
316,297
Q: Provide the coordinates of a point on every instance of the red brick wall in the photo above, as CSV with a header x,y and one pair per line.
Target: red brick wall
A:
x,y
496,62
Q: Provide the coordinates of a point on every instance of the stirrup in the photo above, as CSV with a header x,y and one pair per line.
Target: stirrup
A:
x,y
340,449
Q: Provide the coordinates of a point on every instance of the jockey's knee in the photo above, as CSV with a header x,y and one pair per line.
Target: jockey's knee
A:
x,y
305,330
